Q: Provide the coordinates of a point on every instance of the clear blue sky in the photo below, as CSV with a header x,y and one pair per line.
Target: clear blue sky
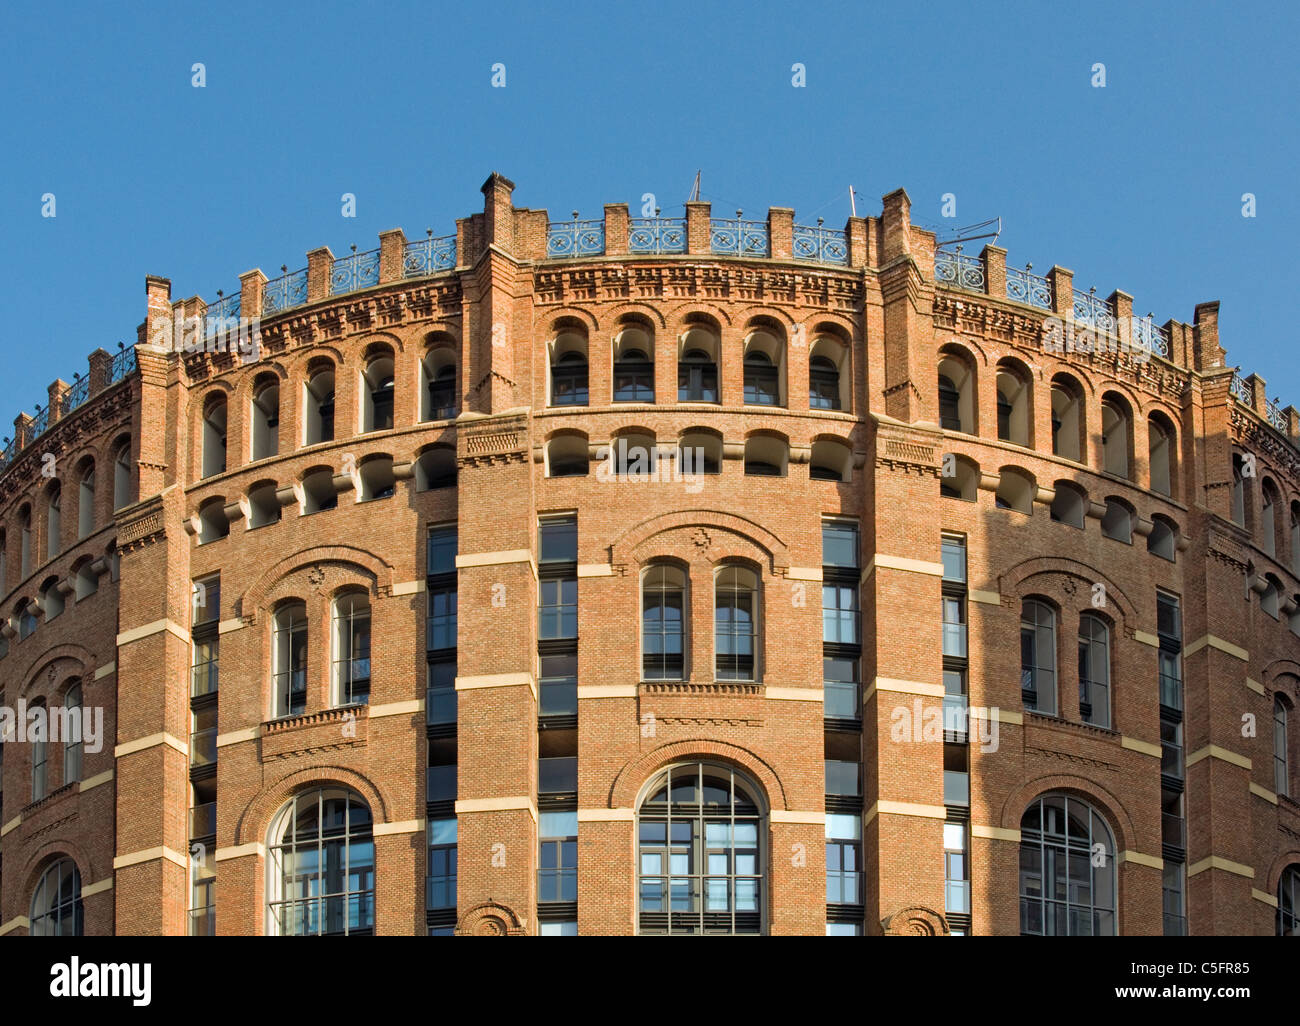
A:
x,y
1136,186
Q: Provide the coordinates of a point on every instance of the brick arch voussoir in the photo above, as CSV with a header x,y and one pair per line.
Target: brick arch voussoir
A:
x,y
256,818
1019,579
577,313
748,538
651,313
632,777
1289,857
50,851
1090,791
1274,678
367,562
34,680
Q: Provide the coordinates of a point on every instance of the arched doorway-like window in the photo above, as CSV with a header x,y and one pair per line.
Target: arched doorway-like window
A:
x,y
700,856
663,602
321,866
1067,870
735,618
56,902
1288,903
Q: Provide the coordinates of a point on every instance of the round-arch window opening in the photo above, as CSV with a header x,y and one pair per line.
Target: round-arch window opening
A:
x,y
321,866
700,859
1067,870
56,902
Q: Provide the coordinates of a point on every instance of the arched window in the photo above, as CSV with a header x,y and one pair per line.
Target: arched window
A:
x,y
1295,537
663,605
1094,671
1015,418
1038,656
51,599
1281,773
1067,870
318,491
1267,517
697,377
351,649
289,659
53,520
56,903
321,866
1016,490
735,618
1069,505
377,395
122,476
266,419
956,394
634,371
25,542
1067,417
213,522
1163,539
86,502
26,619
1288,903
74,740
1160,448
318,424
377,480
700,853
438,372
436,468
263,505
766,456
1116,434
1238,489
827,377
1269,599
39,738
831,461
699,452
566,456
959,478
761,383
1117,521
214,436
569,380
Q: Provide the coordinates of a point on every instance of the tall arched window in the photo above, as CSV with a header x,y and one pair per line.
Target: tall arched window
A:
x,y
1067,417
289,659
735,616
377,395
1160,438
321,866
1067,870
73,741
1267,517
700,834
1288,903
53,520
823,384
569,380
25,542
1038,656
1281,771
40,753
956,393
634,371
214,436
1014,394
122,476
1094,670
663,604
318,424
266,419
1238,489
762,384
1116,435
86,502
442,393
351,649
56,903
697,377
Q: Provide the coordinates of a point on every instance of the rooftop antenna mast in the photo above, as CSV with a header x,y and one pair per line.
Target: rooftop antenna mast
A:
x,y
695,189
853,202
971,233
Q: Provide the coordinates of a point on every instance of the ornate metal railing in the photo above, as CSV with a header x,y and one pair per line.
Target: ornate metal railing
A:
x,y
1242,392
738,237
223,315
429,256
575,238
1095,313
953,268
1276,417
285,292
39,424
123,364
8,453
656,235
1027,287
354,272
74,395
824,245
1150,336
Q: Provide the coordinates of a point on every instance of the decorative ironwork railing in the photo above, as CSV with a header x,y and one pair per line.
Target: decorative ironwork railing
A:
x,y
656,235
1149,336
575,238
1027,287
824,245
223,315
952,268
1242,392
40,423
1276,417
738,237
285,292
354,272
9,452
1095,313
74,395
123,364
429,256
